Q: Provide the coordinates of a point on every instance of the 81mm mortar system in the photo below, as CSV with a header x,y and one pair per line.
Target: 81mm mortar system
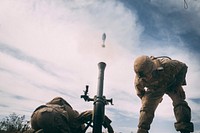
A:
x,y
99,100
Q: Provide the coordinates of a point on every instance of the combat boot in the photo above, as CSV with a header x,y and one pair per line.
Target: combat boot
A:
x,y
140,130
184,131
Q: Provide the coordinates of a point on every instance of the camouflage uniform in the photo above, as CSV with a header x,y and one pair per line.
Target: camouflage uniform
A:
x,y
166,76
57,116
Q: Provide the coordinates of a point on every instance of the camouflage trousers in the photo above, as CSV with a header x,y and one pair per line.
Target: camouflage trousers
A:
x,y
182,111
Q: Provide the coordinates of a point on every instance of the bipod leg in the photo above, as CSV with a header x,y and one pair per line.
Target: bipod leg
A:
x,y
88,125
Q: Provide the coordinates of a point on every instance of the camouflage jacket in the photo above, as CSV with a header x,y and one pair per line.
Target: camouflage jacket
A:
x,y
169,74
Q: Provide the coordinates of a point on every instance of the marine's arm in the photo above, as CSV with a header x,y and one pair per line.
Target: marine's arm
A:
x,y
179,71
139,87
86,116
180,77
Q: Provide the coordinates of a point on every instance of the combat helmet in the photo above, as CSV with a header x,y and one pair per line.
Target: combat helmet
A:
x,y
143,65
59,101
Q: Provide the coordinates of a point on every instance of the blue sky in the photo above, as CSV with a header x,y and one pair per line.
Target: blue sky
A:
x,y
51,48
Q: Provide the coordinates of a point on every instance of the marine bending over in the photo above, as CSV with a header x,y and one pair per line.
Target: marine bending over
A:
x,y
156,77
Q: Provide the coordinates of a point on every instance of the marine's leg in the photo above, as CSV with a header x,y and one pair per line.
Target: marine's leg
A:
x,y
150,102
182,111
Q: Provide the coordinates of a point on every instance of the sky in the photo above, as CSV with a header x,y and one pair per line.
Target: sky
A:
x,y
51,48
